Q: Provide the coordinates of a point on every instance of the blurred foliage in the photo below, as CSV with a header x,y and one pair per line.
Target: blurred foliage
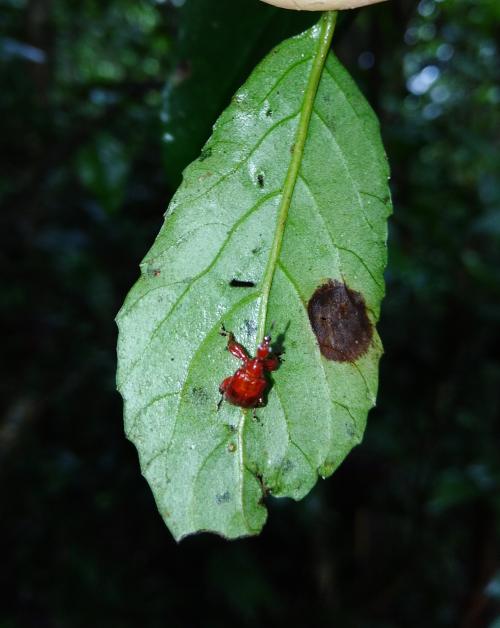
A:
x,y
407,531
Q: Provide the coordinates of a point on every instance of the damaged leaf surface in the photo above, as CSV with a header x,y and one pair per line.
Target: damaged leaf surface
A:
x,y
289,194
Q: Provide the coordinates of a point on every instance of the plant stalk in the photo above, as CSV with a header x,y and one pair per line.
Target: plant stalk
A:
x,y
327,26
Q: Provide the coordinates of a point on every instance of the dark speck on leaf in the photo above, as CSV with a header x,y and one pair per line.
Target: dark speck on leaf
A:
x,y
200,394
260,180
350,430
340,322
223,498
287,466
238,283
250,326
269,112
205,154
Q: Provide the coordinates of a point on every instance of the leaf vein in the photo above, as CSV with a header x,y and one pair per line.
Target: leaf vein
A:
x,y
192,282
130,431
348,101
334,243
180,239
290,439
283,76
213,330
355,185
223,177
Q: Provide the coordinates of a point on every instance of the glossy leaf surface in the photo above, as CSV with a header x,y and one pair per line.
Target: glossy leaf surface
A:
x,y
289,193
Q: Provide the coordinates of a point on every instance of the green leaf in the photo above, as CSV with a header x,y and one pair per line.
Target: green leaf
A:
x,y
290,193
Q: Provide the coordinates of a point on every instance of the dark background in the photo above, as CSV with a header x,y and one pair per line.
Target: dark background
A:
x,y
406,533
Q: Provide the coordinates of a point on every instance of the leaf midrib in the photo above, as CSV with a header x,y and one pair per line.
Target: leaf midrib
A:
x,y
327,26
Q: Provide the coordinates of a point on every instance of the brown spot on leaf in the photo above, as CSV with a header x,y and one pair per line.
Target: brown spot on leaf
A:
x,y
340,322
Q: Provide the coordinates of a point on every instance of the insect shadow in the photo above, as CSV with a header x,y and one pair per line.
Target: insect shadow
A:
x,y
278,349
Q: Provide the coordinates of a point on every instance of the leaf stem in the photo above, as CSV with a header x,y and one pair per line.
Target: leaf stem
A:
x,y
327,26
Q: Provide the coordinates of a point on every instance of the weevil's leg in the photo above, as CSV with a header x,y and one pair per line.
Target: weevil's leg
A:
x,y
235,348
222,389
232,346
272,363
254,415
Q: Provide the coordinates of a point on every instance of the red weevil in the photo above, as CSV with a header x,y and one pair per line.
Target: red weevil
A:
x,y
247,386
